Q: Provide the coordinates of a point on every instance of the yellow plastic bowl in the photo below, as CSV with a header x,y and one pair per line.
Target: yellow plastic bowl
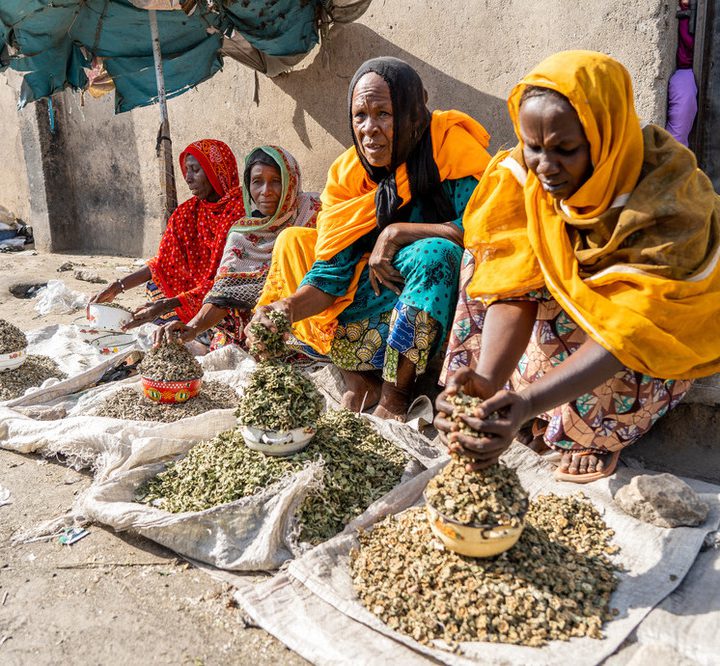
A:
x,y
472,540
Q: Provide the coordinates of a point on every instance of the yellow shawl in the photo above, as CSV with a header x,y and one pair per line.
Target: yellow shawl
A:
x,y
634,255
348,214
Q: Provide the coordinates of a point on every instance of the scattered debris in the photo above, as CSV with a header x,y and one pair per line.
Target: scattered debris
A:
x,y
71,535
27,290
662,500
5,496
67,266
88,276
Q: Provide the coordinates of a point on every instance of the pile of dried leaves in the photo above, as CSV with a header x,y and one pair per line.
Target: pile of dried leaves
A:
x,y
12,339
130,404
554,584
270,344
279,397
35,370
359,467
493,496
170,362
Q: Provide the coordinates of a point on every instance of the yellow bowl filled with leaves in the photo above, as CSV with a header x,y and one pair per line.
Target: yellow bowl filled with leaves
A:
x,y
479,513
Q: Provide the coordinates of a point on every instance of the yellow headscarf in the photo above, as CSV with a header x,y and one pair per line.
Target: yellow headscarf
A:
x,y
634,255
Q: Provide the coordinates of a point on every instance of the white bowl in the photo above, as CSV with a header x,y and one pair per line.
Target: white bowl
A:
x,y
110,343
12,360
105,318
275,443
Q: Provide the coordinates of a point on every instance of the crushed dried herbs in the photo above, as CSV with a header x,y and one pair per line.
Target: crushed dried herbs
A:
x,y
170,362
12,339
33,372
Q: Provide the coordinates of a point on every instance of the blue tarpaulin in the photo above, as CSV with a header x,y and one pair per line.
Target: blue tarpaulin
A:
x,y
52,42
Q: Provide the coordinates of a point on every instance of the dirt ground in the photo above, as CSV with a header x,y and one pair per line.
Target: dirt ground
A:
x,y
109,598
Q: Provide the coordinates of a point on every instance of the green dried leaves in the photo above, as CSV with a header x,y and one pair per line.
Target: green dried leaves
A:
x,y
12,339
493,496
35,370
170,362
128,403
552,585
359,467
279,397
270,344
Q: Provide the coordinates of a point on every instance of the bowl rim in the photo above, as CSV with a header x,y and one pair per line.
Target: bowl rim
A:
x,y
481,526
110,307
22,350
170,381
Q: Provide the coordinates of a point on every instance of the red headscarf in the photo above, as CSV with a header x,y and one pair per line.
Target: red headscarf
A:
x,y
192,245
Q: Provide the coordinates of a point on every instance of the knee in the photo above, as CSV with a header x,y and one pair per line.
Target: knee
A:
x,y
293,239
429,254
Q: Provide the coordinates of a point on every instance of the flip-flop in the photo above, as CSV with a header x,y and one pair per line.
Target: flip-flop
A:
x,y
610,465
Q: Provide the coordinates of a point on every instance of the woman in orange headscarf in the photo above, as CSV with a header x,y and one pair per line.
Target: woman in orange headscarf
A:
x,y
375,285
596,281
181,274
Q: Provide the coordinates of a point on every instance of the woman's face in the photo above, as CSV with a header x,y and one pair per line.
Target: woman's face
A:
x,y
372,119
197,180
265,188
555,147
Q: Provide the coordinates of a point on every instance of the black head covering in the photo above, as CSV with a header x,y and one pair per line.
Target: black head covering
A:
x,y
412,143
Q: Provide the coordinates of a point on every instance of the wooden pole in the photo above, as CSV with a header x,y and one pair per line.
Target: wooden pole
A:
x,y
164,142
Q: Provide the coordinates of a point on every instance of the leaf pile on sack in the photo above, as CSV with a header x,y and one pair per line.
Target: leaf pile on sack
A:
x,y
278,397
554,584
170,362
12,339
358,467
130,404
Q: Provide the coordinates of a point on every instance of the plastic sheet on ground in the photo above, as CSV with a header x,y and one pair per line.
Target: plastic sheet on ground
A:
x,y
255,533
312,608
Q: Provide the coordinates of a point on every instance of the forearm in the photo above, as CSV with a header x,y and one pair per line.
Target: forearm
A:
x,y
406,233
135,279
209,315
583,371
505,336
306,302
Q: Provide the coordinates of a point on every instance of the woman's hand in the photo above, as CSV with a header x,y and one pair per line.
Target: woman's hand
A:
x,y
107,295
149,312
261,318
382,272
484,448
174,331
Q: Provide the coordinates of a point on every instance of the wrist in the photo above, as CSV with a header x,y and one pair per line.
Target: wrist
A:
x,y
286,306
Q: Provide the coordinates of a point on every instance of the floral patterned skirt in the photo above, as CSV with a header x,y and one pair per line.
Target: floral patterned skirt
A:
x,y
376,343
611,417
231,330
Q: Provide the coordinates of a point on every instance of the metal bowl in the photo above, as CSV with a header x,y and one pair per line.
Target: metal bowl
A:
x,y
275,442
170,392
12,360
473,540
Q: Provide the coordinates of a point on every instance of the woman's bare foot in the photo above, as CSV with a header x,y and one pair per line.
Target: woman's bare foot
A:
x,y
394,403
576,462
362,390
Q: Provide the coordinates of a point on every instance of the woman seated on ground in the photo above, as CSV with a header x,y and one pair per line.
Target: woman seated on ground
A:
x,y
273,195
179,277
397,196
598,294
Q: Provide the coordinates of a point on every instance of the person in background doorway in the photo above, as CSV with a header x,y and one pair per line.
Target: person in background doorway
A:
x,y
682,89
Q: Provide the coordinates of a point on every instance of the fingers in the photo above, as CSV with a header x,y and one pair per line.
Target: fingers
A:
x,y
458,380
443,424
496,403
374,282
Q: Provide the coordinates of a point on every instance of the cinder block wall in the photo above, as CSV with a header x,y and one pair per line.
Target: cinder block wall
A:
x,y
470,53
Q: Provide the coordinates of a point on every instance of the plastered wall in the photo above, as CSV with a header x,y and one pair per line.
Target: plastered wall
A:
x,y
469,53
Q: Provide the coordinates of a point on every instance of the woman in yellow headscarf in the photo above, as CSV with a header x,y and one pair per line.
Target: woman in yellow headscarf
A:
x,y
375,286
596,281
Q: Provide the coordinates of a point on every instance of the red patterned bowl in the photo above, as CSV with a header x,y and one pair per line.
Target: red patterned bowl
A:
x,y
170,392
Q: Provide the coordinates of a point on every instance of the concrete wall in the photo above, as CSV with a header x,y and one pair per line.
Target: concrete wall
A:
x,y
469,52
14,185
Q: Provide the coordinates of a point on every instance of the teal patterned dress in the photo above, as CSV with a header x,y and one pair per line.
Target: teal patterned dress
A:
x,y
375,329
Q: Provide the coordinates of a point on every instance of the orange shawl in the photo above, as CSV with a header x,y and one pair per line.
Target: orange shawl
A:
x,y
634,255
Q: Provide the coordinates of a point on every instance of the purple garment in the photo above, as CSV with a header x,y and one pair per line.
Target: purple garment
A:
x,y
686,44
682,104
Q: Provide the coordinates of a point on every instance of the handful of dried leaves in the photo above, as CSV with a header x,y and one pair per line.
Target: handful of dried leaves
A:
x,y
35,370
554,584
359,467
170,362
12,339
128,403
279,397
493,496
268,343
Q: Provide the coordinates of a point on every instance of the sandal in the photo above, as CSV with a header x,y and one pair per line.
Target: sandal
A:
x,y
610,465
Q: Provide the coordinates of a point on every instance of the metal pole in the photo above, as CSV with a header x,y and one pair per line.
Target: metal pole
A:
x,y
164,143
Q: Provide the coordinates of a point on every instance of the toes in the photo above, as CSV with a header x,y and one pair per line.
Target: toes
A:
x,y
565,462
574,464
587,464
600,465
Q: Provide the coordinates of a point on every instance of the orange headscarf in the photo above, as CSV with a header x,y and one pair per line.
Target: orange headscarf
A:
x,y
634,255
348,213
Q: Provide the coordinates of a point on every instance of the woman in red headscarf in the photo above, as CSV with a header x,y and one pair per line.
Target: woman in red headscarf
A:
x,y
182,272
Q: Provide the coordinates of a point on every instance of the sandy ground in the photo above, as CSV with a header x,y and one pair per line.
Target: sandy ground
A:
x,y
110,598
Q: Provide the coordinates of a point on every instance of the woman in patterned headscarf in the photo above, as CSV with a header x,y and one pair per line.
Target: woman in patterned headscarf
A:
x,y
181,274
274,198
595,294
